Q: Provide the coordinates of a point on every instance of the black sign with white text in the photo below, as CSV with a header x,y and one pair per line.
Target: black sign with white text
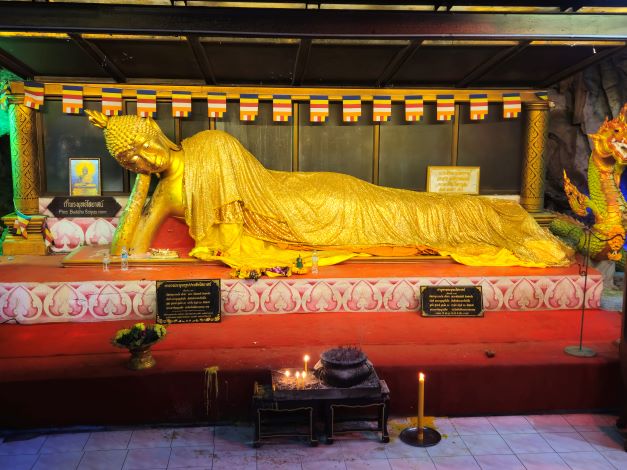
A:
x,y
84,206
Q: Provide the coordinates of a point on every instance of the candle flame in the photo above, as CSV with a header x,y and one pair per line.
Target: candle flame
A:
x,y
297,375
421,377
306,357
287,373
303,375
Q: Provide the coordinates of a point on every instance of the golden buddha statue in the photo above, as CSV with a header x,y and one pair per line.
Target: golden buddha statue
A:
x,y
241,213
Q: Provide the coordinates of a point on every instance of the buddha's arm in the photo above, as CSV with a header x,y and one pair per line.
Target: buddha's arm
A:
x,y
165,201
127,227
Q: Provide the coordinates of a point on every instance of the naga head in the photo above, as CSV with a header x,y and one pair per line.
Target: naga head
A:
x,y
611,138
138,144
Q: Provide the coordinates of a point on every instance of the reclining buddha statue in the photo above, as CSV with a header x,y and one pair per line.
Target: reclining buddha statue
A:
x,y
241,213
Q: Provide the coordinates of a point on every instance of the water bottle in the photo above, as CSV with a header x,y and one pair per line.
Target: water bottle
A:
x,y
105,262
124,259
314,262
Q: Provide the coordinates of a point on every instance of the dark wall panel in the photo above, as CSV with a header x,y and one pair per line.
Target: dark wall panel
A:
x,y
335,145
496,145
407,148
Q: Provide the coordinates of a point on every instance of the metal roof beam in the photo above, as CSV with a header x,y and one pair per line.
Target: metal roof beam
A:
x,y
573,69
99,57
15,65
397,62
257,22
302,58
201,59
493,62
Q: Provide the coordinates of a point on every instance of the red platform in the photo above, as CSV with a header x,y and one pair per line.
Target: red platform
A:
x,y
68,373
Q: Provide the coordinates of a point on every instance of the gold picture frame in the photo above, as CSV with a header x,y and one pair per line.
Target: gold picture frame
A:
x,y
85,177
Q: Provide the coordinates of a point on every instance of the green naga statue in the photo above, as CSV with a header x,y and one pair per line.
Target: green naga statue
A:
x,y
606,201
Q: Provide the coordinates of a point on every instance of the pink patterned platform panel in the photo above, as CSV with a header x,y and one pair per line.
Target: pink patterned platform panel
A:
x,y
90,301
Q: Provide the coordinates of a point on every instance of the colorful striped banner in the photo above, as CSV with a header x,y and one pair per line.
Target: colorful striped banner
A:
x,y
248,107
216,104
33,95
511,105
381,108
281,108
414,108
72,100
318,108
445,107
181,103
351,108
478,107
21,223
111,101
147,103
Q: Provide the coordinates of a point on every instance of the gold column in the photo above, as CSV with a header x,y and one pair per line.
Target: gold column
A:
x,y
534,164
25,171
24,162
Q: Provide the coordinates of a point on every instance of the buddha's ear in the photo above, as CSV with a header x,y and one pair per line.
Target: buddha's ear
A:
x,y
170,144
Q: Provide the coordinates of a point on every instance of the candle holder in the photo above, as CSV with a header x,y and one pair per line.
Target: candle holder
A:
x,y
428,438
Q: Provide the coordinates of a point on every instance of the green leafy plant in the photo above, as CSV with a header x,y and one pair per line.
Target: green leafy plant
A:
x,y
139,335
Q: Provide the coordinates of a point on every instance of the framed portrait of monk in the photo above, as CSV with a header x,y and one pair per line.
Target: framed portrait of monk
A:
x,y
85,177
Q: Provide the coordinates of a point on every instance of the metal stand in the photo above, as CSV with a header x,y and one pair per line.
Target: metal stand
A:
x,y
580,350
429,437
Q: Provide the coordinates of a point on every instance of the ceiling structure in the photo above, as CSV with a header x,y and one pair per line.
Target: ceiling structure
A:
x,y
447,44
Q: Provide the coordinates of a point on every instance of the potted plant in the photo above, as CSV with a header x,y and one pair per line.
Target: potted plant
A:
x,y
138,340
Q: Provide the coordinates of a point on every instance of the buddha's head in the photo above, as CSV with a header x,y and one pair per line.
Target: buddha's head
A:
x,y
138,144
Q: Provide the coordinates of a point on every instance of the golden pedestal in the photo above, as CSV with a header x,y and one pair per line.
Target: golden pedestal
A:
x,y
18,245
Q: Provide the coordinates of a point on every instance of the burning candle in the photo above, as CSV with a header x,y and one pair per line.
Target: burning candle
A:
x,y
421,405
297,379
306,359
303,376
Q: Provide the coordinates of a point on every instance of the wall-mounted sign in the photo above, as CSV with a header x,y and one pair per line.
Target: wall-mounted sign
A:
x,y
88,206
453,179
188,301
451,301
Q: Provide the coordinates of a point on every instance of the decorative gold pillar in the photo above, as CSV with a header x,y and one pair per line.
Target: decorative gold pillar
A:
x,y
534,164
25,171
24,163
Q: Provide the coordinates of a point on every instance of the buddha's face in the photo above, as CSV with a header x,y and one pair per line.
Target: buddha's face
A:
x,y
148,154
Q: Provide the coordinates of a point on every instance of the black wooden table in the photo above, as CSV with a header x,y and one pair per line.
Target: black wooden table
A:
x,y
305,412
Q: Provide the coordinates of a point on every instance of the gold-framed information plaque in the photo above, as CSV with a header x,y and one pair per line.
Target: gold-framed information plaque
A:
x,y
451,301
188,301
453,179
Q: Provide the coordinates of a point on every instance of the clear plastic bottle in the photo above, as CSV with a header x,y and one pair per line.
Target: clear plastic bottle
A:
x,y
124,259
314,262
105,262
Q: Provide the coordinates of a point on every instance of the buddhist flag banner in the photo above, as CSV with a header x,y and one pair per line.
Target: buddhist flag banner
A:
x,y
351,108
543,95
381,108
511,105
318,108
33,94
48,237
72,99
478,107
181,103
281,108
445,107
111,101
216,104
20,224
414,108
147,103
248,107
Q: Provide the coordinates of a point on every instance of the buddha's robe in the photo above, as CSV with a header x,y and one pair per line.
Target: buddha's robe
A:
x,y
242,213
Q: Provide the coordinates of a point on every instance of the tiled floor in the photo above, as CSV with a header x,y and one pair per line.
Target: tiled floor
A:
x,y
551,442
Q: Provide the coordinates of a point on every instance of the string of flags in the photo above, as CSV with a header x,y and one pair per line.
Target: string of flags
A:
x,y
112,104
